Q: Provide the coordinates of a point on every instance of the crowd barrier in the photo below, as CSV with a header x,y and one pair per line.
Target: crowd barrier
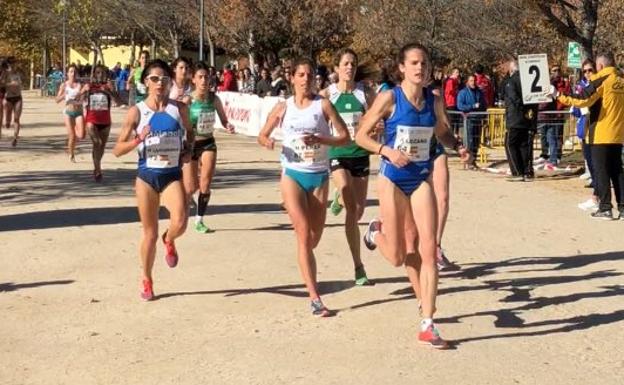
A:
x,y
488,129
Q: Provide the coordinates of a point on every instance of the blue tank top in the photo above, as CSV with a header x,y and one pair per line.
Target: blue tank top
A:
x,y
161,149
411,130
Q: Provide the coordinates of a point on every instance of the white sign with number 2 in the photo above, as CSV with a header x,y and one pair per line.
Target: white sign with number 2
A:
x,y
534,78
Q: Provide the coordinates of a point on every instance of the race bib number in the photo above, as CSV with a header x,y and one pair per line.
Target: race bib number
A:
x,y
206,123
307,154
414,141
352,120
162,151
98,102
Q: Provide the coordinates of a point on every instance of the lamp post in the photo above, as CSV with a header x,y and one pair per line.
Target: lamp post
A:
x,y
201,30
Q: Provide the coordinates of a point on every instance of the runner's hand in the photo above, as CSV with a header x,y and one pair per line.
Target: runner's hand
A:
x,y
311,139
269,143
464,155
398,158
144,133
229,127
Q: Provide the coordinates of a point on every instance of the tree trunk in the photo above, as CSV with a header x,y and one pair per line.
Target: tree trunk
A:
x,y
211,48
132,48
153,48
175,42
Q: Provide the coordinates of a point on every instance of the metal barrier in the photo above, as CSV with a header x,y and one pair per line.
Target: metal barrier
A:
x,y
485,131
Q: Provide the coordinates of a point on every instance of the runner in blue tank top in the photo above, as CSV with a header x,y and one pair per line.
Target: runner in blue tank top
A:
x,y
412,115
156,128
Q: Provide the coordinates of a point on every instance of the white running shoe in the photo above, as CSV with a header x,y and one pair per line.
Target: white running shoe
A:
x,y
585,176
588,205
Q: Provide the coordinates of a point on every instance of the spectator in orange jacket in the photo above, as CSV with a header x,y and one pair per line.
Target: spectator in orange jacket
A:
x,y
484,83
229,80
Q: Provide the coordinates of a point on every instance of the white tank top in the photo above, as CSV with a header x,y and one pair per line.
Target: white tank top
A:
x,y
71,94
296,123
175,93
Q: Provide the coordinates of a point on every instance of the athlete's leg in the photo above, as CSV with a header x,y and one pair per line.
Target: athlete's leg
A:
x,y
17,116
70,124
392,207
296,203
174,200
441,181
148,202
190,179
208,164
345,186
425,218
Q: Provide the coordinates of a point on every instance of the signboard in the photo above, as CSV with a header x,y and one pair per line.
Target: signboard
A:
x,y
534,78
574,55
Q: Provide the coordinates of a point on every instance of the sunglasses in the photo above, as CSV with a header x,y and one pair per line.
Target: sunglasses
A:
x,y
157,79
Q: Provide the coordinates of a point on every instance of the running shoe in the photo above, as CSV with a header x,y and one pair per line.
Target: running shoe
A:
x,y
588,205
443,263
431,337
319,310
585,176
515,179
200,227
373,226
605,215
360,277
171,254
550,167
148,292
97,176
14,142
621,215
335,206
539,160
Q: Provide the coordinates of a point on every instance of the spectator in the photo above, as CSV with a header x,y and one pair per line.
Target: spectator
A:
x,y
229,82
248,84
471,99
278,85
288,78
387,77
608,135
116,71
520,121
451,89
263,87
320,83
484,83
586,122
120,84
552,131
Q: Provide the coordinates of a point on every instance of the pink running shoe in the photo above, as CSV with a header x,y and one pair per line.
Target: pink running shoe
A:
x,y
431,337
148,292
171,254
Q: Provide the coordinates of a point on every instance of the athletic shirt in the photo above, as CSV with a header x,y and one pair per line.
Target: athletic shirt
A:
x,y
202,114
161,149
351,107
71,94
13,90
139,85
175,94
98,105
296,123
411,130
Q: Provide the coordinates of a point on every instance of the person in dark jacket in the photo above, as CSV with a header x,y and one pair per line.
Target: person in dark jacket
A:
x,y
521,122
471,99
263,87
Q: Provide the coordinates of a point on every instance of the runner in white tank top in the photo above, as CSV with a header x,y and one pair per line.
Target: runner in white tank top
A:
x,y
304,122
72,113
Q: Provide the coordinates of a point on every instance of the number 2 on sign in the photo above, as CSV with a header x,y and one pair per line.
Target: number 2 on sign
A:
x,y
534,86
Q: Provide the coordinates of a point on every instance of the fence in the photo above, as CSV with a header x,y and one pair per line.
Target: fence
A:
x,y
483,132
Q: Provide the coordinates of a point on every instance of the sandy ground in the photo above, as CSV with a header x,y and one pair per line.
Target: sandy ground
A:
x,y
539,299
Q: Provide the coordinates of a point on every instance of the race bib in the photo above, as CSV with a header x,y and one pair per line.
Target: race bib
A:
x,y
205,123
352,120
162,151
98,102
414,141
307,154
140,87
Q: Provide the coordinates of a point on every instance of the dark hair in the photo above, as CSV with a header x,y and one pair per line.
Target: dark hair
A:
x,y
388,72
103,69
178,60
344,51
199,66
408,47
75,67
300,62
607,57
157,63
590,62
144,52
478,69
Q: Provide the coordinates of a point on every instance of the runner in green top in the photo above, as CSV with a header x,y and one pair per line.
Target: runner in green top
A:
x,y
205,105
349,164
134,79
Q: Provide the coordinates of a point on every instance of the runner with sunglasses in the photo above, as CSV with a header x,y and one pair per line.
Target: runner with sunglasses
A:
x,y
156,127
